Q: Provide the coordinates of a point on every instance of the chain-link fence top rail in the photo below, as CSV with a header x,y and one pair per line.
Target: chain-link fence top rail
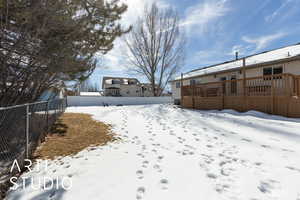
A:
x,y
22,128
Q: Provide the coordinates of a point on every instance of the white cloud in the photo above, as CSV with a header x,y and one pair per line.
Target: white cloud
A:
x,y
202,15
241,49
207,57
283,9
263,41
115,60
136,8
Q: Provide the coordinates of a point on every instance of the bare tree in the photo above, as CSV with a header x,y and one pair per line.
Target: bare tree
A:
x,y
88,86
156,47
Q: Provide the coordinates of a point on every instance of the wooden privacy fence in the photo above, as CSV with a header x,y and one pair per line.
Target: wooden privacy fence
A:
x,y
274,94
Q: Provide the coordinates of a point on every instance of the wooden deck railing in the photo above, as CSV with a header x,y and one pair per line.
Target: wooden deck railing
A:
x,y
273,85
297,85
277,94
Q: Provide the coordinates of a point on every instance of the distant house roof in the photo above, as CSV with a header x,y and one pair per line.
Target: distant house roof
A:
x,y
90,94
280,54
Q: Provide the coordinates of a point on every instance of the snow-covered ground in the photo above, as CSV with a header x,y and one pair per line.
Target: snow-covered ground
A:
x,y
167,153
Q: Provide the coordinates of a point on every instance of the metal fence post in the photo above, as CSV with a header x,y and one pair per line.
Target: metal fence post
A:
x,y
47,110
27,131
66,102
55,114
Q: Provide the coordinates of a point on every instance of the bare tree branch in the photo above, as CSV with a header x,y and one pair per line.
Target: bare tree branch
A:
x,y
156,47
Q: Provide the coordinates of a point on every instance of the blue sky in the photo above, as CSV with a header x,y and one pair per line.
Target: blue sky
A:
x,y
215,29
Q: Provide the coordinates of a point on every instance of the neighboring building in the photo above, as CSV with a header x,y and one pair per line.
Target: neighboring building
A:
x,y
278,61
125,87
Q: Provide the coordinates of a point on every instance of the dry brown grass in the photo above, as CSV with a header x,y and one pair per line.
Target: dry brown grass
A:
x,y
73,133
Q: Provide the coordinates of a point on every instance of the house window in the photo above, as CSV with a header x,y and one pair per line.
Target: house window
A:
x,y
268,71
223,79
277,70
192,82
273,71
178,84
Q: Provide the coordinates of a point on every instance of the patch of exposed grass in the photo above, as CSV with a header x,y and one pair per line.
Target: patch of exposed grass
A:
x,y
73,133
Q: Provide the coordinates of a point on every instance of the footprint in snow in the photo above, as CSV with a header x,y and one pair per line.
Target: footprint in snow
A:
x,y
288,150
68,166
187,152
157,167
223,163
226,172
221,188
293,168
247,140
140,155
145,164
211,175
140,174
265,146
258,163
267,186
160,157
140,193
164,183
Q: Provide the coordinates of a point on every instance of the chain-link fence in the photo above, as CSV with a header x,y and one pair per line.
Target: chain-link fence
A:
x,y
22,128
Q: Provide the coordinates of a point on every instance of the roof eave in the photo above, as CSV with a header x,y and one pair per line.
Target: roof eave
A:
x,y
239,68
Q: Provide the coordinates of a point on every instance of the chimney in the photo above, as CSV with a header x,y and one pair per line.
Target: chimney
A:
x,y
236,55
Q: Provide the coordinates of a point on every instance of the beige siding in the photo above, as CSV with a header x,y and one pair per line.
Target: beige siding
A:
x,y
254,72
175,91
293,68
129,90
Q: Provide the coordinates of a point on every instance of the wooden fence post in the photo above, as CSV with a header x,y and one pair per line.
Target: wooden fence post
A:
x,y
47,117
193,95
272,94
181,89
298,85
223,97
244,86
290,89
